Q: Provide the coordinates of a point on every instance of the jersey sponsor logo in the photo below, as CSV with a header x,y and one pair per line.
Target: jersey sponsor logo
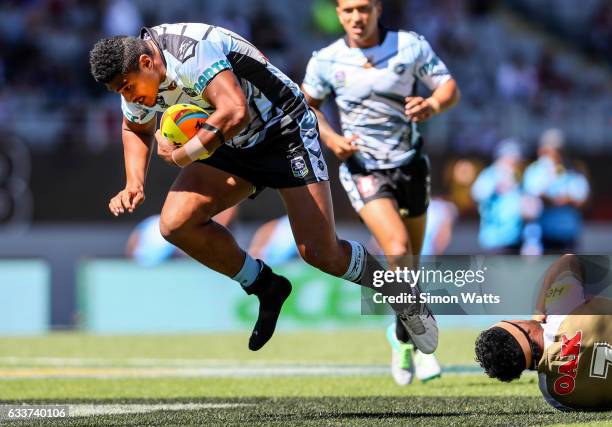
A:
x,y
136,118
299,167
399,69
209,73
339,79
186,49
570,349
162,102
428,68
190,92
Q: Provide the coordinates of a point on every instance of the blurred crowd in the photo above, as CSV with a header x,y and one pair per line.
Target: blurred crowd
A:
x,y
589,25
534,210
505,68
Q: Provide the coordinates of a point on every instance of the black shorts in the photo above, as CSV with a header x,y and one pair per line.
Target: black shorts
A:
x,y
290,158
409,185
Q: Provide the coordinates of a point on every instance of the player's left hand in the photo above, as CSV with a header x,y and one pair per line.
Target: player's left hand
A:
x,y
418,109
164,148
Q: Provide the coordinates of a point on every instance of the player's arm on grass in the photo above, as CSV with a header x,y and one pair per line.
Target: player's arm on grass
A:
x,y
230,117
342,147
137,139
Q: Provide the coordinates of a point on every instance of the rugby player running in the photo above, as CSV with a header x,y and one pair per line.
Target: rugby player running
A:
x,y
373,73
260,134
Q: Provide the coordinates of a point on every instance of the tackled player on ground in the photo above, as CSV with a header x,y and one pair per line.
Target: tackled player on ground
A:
x,y
569,342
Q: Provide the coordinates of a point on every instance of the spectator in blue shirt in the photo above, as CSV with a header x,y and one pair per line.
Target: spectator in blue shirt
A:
x,y
563,191
498,195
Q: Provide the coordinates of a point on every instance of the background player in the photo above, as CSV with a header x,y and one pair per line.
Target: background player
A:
x,y
441,216
570,343
373,72
262,134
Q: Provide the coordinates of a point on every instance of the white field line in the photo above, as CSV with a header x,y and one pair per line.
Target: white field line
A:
x,y
144,362
83,410
50,367
211,372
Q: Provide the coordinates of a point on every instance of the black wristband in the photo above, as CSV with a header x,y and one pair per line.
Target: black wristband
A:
x,y
214,130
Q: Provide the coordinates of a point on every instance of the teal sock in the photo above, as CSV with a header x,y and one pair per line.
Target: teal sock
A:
x,y
249,272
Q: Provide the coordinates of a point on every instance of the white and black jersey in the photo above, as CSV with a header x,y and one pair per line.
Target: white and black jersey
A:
x,y
195,53
370,86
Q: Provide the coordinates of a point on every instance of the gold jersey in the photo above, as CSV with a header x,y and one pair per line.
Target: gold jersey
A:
x,y
575,371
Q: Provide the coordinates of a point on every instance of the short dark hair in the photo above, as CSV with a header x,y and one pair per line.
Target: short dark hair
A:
x,y
500,354
115,56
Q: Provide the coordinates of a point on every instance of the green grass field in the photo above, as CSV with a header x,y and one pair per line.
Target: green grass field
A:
x,y
305,378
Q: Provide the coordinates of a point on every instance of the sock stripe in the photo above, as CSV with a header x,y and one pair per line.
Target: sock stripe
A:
x,y
356,266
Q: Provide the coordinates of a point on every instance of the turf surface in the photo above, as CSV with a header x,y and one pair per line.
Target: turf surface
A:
x,y
101,377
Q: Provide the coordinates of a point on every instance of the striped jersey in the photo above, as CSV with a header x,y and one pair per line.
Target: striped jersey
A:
x,y
195,53
575,371
370,86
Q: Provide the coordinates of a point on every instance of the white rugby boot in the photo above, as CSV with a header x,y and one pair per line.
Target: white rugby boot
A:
x,y
402,363
426,366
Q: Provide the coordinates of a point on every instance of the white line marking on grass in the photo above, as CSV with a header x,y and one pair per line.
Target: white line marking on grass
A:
x,y
145,362
83,410
231,371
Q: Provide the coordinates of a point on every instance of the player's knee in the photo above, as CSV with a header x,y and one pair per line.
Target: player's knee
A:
x,y
177,222
175,227
397,247
170,227
322,256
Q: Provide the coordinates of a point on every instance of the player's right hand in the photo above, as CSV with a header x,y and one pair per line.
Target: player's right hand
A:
x,y
127,199
343,147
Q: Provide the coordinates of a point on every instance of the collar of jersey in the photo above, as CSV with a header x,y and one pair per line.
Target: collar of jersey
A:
x,y
144,31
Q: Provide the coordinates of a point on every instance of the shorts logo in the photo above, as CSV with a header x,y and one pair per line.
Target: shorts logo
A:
x,y
366,185
298,167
